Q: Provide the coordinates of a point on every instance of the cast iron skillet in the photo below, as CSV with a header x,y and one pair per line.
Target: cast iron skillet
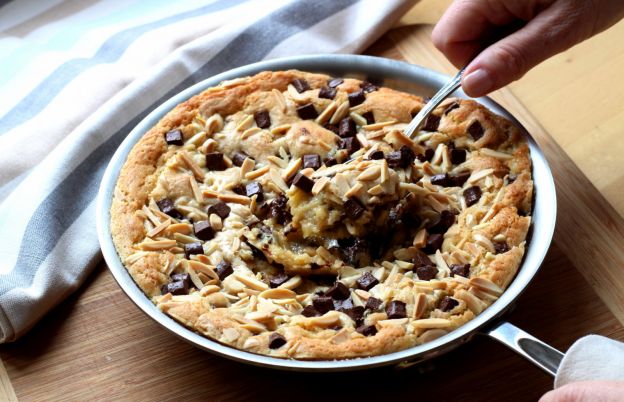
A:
x,y
398,75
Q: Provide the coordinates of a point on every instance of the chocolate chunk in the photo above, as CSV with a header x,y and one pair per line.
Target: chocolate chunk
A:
x,y
186,278
221,209
445,220
459,179
434,242
330,162
166,207
343,305
312,161
174,137
366,281
450,108
355,313
239,189
334,82
323,304
501,247
472,195
460,270
254,188
238,158
193,248
441,179
276,341
396,309
278,279
356,252
215,161
448,304
331,127
203,231
458,156
432,123
367,330
426,272
373,303
339,291
421,260
303,182
401,158
175,288
368,86
350,144
376,155
263,120
310,311
224,269
428,155
353,209
347,128
327,93
395,215
278,210
300,85
356,98
476,130
307,112
370,118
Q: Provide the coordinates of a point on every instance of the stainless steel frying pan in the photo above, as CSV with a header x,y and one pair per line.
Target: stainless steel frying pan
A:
x,y
398,75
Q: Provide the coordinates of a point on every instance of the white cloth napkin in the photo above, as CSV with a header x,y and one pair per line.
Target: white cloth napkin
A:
x,y
592,357
76,77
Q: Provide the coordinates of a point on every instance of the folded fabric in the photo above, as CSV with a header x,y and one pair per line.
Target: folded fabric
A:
x,y
78,76
592,357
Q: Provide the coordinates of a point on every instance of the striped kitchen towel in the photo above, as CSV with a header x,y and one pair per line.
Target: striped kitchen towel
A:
x,y
77,76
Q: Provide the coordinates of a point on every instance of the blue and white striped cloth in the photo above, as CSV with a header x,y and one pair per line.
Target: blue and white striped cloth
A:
x,y
77,76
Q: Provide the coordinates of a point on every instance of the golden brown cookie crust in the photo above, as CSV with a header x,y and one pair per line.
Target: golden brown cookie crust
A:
x,y
241,310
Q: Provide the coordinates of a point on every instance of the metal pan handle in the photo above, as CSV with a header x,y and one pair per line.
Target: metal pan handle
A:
x,y
534,350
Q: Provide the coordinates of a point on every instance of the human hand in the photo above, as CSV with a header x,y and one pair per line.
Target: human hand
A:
x,y
603,391
548,27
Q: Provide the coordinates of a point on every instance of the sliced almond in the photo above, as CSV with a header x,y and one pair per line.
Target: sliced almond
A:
x,y
340,113
429,323
372,173
251,282
278,293
326,113
420,240
245,123
292,168
420,305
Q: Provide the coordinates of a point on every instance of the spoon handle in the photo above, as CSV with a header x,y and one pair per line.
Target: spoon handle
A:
x,y
418,120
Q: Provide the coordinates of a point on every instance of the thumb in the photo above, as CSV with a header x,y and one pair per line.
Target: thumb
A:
x,y
555,29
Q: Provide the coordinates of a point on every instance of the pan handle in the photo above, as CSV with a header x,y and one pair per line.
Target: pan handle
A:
x,y
534,350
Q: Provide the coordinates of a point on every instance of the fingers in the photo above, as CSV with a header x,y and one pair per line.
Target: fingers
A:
x,y
604,391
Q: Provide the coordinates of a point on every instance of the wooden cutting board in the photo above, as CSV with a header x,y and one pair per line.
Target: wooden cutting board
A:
x,y
98,346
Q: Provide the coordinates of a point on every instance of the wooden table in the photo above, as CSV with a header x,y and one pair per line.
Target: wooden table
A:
x,y
98,346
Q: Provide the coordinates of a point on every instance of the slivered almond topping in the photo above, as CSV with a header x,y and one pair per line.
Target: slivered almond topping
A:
x,y
486,285
375,135
476,176
420,240
245,123
251,282
247,166
385,172
428,323
376,190
281,129
340,113
249,132
277,161
279,98
236,243
495,154
328,319
342,184
473,303
206,290
131,259
214,124
372,173
319,185
292,283
365,144
484,242
235,198
499,238
326,113
377,126
157,245
199,197
363,294
482,294
420,305
292,168
210,194
150,213
195,279
354,190
164,225
278,293
358,119
184,239
278,181
324,145
257,173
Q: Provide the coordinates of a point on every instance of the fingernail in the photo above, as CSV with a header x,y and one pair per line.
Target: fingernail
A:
x,y
477,83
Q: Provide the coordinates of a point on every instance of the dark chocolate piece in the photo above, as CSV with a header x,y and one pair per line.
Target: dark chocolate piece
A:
x,y
334,82
501,247
262,118
347,128
459,179
278,279
460,270
356,98
451,107
368,87
186,278
367,330
476,130
458,156
254,188
221,209
166,207
448,304
303,182
373,303
300,85
276,341
174,137
331,127
376,155
472,195
421,260
426,272
330,162
445,220
401,158
175,288
441,179
312,161
351,144
238,158
215,161
339,291
370,118
355,253
203,230
278,210
193,248
327,93
323,304
434,242
355,313
224,269
432,123
307,112
366,281
310,311
396,309
239,189
353,209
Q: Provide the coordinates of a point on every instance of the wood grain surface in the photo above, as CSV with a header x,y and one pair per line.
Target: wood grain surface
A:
x,y
98,346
